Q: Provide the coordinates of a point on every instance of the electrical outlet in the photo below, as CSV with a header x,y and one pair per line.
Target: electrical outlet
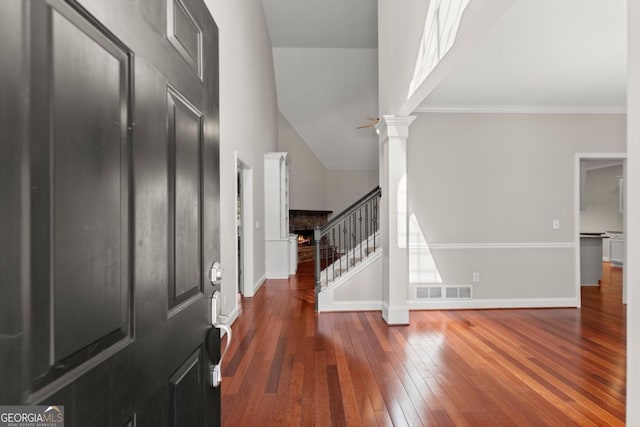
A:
x,y
476,277
556,224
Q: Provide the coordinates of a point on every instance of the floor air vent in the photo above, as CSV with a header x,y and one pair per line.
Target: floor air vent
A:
x,y
444,292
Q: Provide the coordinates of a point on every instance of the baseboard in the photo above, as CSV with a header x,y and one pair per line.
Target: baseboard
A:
x,y
259,283
480,304
395,315
234,315
494,303
353,306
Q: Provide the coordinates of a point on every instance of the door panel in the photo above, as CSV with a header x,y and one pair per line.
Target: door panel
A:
x,y
185,177
13,249
113,191
90,185
186,406
185,34
80,192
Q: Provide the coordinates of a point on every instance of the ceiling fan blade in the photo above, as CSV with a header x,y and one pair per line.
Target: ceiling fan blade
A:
x,y
364,126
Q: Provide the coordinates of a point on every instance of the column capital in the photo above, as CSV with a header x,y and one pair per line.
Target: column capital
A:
x,y
394,126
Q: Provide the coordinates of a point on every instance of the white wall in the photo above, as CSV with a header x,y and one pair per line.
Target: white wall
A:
x,y
307,175
362,289
344,187
248,124
486,188
601,194
400,27
632,226
327,93
311,185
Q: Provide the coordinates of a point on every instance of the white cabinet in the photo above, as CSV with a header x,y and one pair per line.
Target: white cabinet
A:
x,y
293,253
606,249
616,251
276,215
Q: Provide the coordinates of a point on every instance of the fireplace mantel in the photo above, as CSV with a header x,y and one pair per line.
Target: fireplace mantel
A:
x,y
303,219
302,222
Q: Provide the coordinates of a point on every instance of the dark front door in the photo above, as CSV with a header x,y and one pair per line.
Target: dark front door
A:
x,y
109,185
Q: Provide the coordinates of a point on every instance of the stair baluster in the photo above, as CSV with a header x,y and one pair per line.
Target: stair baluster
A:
x,y
342,238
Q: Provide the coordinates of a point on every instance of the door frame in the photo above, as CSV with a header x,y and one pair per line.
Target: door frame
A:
x,y
244,285
576,215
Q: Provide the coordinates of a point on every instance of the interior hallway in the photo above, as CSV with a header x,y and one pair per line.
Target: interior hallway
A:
x,y
556,367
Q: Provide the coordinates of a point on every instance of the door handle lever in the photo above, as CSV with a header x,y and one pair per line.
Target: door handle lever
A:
x,y
217,322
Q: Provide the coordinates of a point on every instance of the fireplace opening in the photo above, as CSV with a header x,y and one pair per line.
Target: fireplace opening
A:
x,y
302,223
305,237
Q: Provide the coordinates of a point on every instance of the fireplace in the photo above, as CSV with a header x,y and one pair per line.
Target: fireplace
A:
x,y
305,237
303,223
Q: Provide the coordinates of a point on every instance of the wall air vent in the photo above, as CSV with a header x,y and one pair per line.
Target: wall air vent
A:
x,y
443,292
429,292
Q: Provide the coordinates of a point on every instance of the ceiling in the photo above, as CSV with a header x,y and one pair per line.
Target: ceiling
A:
x,y
326,24
326,64
542,55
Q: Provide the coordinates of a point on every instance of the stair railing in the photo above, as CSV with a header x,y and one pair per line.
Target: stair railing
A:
x,y
348,238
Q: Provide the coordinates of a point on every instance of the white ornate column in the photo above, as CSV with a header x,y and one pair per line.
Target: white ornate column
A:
x,y
393,132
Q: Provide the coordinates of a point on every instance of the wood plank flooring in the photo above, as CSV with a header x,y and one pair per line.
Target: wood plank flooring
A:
x,y
555,367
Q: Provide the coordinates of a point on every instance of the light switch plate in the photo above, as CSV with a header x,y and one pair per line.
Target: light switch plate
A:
x,y
556,224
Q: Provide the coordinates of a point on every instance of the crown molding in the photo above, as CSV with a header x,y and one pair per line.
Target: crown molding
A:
x,y
522,109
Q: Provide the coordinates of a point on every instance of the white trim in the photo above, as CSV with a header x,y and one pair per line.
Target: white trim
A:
x,y
390,126
543,245
353,306
326,302
232,317
600,165
522,109
259,283
240,166
395,315
335,284
493,303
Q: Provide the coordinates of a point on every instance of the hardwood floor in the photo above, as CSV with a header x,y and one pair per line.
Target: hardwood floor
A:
x,y
554,367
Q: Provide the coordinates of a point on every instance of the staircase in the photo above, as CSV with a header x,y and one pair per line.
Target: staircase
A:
x,y
347,241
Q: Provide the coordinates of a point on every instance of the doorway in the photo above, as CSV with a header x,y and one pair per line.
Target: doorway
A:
x,y
239,226
599,215
244,229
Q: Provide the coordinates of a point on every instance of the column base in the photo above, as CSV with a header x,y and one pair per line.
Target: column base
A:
x,y
395,315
